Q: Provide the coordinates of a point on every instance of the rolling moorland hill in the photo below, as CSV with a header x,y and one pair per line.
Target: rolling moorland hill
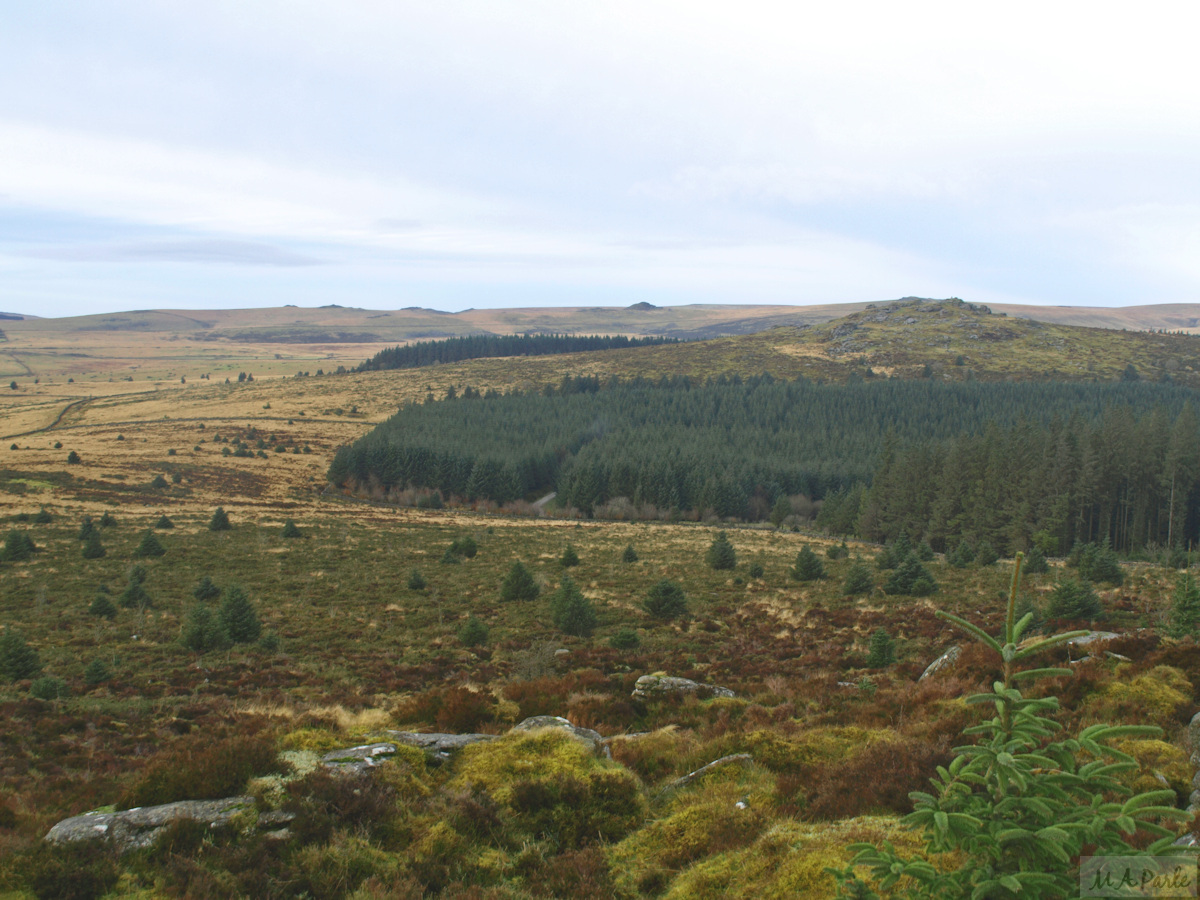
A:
x,y
377,622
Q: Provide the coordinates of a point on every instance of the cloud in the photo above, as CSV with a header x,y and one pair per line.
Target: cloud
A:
x,y
225,252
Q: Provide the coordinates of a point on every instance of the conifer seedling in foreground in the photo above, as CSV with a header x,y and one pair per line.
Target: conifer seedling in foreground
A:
x,y
1013,813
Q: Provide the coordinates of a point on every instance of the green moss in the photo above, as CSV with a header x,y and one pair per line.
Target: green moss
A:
x,y
1157,758
319,740
1153,698
793,754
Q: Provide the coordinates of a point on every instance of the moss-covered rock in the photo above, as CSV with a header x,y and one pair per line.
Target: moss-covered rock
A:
x,y
1157,697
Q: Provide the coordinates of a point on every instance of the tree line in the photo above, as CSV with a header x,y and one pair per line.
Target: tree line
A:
x,y
882,454
481,346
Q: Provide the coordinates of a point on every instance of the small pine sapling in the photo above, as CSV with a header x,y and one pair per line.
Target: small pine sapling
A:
x,y
219,521
96,672
985,554
1011,815
518,584
206,590
1185,606
239,616
415,581
149,547
569,558
721,554
17,659
1035,562
630,555
625,638
164,524
474,633
573,613
808,566
666,600
102,607
92,547
290,530
882,650
962,556
858,580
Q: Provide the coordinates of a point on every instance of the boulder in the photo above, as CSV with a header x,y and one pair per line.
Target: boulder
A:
x,y
1092,637
438,747
356,760
133,829
1193,731
585,735
942,663
654,687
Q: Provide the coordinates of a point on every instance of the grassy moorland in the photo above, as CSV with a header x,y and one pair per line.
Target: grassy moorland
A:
x,y
350,648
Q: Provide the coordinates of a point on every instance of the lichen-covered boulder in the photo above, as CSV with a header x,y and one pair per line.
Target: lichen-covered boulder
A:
x,y
134,829
650,687
438,747
591,738
356,760
943,663
1092,637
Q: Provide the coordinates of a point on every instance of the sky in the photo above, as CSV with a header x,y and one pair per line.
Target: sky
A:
x,y
462,155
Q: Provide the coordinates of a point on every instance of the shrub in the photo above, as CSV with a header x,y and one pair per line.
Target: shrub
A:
x,y
205,589
239,616
465,547
92,548
203,767
270,642
519,584
572,612
17,659
858,580
666,600
808,566
203,631
756,570
1035,562
474,633
102,607
290,530
415,581
108,520
1012,814
882,651
49,687
86,528
1074,598
219,521
96,672
149,547
630,555
73,458
164,523
626,638
721,554
569,557
158,482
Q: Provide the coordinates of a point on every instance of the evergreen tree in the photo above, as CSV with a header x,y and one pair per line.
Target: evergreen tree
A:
x,y
18,546
450,558
1035,562
1074,598
49,687
43,517
962,556
163,524
204,631
986,554
102,607
415,581
158,482
149,547
1098,562
910,578
569,558
1185,606
135,596
519,584
219,521
239,616
573,613
86,528
17,659
290,530
665,600
464,546
858,580
721,554
808,566
474,633
108,520
756,570
206,590
96,672
882,651
925,552
73,459
630,555
92,548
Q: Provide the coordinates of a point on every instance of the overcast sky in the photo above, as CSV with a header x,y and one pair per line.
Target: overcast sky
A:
x,y
455,154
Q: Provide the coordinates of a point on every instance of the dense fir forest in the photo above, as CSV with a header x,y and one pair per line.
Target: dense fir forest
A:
x,y
1009,463
481,346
